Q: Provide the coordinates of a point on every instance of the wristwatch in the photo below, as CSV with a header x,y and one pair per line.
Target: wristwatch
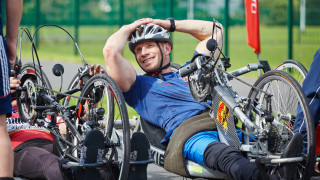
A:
x,y
172,24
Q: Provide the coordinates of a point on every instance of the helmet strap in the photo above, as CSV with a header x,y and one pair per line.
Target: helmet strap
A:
x,y
157,74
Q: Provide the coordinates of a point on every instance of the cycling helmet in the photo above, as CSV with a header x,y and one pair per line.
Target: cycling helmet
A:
x,y
149,32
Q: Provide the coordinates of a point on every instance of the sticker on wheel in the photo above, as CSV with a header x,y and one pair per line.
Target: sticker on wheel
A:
x,y
223,114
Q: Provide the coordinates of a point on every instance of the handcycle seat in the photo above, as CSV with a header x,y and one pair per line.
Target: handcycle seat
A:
x,y
155,135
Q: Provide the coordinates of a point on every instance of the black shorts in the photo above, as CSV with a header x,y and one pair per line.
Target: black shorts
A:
x,y
5,95
37,163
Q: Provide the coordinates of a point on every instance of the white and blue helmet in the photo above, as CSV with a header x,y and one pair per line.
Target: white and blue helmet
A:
x,y
151,32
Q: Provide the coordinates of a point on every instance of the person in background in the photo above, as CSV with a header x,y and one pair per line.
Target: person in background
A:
x,y
8,56
311,88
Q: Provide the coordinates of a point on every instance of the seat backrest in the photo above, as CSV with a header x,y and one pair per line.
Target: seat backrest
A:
x,y
153,133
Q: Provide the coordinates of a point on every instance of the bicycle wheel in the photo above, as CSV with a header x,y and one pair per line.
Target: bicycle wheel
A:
x,y
67,101
294,68
286,95
94,100
32,79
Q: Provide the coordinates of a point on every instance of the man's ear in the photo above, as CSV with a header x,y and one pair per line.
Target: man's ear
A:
x,y
168,48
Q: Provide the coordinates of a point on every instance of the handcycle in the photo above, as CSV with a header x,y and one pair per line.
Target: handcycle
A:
x,y
266,117
94,105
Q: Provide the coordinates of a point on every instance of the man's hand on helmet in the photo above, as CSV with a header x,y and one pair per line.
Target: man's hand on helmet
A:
x,y
133,26
163,23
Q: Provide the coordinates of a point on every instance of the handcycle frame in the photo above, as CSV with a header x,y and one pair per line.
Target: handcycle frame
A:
x,y
195,169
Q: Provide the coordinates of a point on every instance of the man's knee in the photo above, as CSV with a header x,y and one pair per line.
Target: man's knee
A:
x,y
218,151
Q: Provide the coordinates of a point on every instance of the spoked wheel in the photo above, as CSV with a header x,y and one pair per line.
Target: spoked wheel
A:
x,y
73,100
97,95
32,80
69,100
286,96
294,68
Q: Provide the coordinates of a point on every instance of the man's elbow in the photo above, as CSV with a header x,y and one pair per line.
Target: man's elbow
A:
x,y
108,53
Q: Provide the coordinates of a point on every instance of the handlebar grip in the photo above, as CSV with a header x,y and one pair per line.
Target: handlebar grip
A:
x,y
188,69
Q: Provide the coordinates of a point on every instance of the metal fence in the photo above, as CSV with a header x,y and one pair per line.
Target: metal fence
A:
x,y
115,12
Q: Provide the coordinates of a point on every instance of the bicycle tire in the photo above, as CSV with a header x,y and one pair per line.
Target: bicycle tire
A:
x,y
73,84
31,72
285,103
98,88
294,68
69,101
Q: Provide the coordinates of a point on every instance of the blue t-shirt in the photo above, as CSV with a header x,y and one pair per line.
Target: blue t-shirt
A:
x,y
163,102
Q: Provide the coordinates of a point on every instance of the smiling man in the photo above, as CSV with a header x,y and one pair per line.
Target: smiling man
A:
x,y
162,97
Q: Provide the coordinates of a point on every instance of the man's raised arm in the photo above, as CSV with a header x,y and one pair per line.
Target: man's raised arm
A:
x,y
202,30
118,67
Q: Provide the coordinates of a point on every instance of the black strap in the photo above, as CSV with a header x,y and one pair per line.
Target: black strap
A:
x,y
172,24
157,74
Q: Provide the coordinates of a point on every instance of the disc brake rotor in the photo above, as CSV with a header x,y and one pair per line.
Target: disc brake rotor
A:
x,y
28,99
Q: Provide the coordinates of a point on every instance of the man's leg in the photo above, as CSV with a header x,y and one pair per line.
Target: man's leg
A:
x,y
37,163
6,154
205,148
230,160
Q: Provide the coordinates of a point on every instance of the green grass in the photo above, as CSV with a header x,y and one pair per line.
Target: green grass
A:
x,y
55,45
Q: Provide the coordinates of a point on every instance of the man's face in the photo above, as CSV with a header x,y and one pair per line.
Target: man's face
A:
x,y
148,56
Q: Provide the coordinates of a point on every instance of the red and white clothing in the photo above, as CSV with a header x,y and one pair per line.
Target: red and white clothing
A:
x,y
20,132
33,148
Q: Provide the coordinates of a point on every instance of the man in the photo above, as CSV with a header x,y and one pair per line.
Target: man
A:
x,y
163,98
8,52
311,87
